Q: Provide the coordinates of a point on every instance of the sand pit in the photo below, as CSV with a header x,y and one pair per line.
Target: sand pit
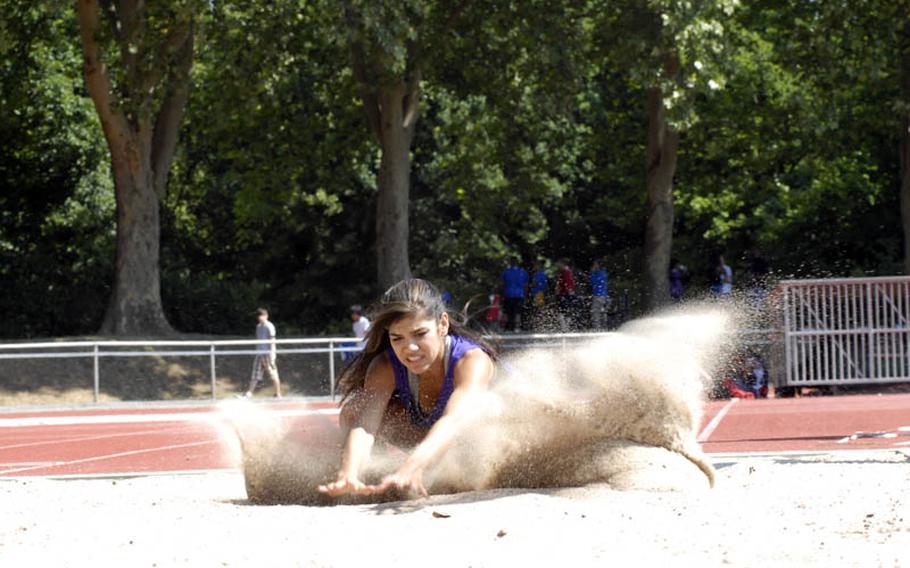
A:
x,y
844,510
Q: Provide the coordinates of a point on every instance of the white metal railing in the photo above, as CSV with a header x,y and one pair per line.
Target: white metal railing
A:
x,y
97,350
330,346
212,349
846,330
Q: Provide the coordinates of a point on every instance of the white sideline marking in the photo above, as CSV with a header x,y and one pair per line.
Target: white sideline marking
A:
x,y
110,456
875,435
139,418
798,453
715,422
38,464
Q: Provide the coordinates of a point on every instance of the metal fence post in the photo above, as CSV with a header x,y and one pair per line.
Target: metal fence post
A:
x,y
788,350
332,369
97,385
212,368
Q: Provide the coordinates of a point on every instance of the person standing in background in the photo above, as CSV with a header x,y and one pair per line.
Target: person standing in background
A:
x,y
493,313
266,354
677,280
723,278
360,323
514,288
759,271
600,297
539,285
566,294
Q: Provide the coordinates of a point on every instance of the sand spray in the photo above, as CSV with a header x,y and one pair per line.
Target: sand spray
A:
x,y
622,409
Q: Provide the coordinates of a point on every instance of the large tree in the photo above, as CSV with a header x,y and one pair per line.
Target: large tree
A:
x,y
673,48
387,60
902,45
661,157
497,54
136,63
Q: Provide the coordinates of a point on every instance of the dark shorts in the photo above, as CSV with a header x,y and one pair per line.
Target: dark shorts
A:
x,y
513,307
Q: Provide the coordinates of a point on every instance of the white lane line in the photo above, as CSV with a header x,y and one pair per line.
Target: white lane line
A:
x,y
139,418
715,422
110,456
89,438
20,464
123,475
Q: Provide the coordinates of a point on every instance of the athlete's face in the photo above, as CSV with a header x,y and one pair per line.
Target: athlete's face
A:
x,y
418,341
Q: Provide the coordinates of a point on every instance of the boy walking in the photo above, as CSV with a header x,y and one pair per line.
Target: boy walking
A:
x,y
266,354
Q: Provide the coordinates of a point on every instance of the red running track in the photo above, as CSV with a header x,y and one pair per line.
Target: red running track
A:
x,y
183,439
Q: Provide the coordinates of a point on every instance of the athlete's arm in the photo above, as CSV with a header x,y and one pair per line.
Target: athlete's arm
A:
x,y
472,375
370,406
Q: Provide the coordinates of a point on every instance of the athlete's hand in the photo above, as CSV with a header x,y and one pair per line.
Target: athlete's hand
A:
x,y
406,481
345,485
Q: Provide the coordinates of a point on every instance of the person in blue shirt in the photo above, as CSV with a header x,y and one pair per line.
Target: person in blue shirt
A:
x,y
539,284
600,297
514,288
539,289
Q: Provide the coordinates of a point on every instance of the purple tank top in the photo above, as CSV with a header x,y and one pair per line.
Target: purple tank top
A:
x,y
456,347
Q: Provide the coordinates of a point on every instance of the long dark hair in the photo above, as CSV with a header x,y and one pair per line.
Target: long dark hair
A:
x,y
411,297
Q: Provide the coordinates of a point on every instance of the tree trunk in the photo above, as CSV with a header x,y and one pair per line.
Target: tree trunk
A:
x,y
904,149
394,118
135,307
391,108
395,136
663,142
142,150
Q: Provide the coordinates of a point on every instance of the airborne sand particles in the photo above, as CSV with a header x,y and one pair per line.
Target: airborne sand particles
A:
x,y
621,410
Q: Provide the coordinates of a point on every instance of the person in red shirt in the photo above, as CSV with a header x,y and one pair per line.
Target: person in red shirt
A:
x,y
493,313
566,295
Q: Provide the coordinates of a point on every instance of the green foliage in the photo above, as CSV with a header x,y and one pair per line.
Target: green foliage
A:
x,y
55,193
531,141
140,42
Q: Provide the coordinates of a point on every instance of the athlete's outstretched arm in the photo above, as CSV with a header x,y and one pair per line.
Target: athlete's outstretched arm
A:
x,y
473,374
364,412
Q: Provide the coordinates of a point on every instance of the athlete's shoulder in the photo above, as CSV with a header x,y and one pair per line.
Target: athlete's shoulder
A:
x,y
380,363
381,370
476,352
474,368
